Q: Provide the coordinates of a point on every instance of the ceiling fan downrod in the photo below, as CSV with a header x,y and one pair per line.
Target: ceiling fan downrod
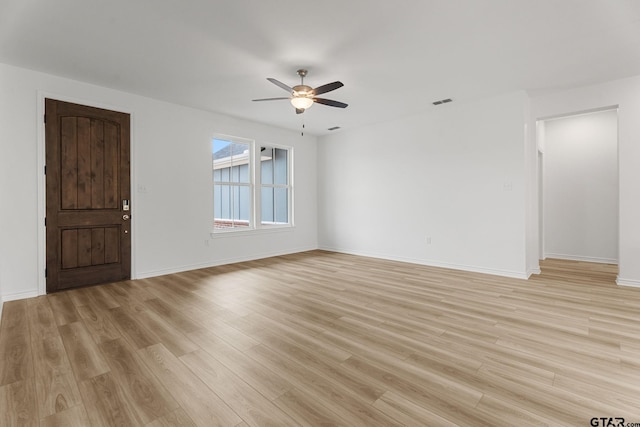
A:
x,y
302,73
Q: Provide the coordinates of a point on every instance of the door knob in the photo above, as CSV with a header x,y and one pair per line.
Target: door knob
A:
x,y
125,217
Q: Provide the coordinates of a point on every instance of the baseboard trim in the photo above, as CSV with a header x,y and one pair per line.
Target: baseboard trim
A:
x,y
582,258
432,263
19,295
533,271
179,269
626,282
188,267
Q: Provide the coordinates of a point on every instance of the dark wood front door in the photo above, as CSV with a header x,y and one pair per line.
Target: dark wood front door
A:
x,y
87,181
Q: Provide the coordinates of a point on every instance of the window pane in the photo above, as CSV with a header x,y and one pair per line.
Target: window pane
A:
x,y
222,202
280,166
231,206
220,148
229,157
225,174
244,174
240,157
281,205
267,204
244,200
266,165
235,174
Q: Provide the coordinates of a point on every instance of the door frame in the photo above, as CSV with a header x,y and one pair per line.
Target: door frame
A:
x,y
540,153
42,194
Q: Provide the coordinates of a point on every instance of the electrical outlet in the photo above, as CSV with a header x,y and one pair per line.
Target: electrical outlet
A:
x,y
428,240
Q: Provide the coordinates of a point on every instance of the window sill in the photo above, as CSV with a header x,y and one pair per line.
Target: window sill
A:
x,y
253,232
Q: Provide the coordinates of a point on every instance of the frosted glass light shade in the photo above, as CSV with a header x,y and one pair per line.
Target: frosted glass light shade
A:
x,y
301,102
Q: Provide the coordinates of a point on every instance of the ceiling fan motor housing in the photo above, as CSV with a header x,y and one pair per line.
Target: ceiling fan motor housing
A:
x,y
302,90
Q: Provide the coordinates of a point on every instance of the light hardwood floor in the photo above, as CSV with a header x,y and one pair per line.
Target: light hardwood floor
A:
x,y
320,338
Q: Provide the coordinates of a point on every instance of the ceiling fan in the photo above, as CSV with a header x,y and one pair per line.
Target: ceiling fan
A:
x,y
303,96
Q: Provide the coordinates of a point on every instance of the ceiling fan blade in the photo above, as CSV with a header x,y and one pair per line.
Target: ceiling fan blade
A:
x,y
270,99
279,83
331,102
299,110
327,88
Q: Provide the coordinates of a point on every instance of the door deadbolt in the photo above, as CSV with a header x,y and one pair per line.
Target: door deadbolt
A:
x,y
125,217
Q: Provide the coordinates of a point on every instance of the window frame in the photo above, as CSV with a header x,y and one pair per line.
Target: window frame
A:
x,y
255,186
289,187
250,184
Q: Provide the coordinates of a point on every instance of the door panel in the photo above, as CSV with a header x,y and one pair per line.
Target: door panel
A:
x,y
85,247
87,158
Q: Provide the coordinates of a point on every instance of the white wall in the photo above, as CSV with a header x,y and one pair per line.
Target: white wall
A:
x,y
171,158
463,174
1,302
626,95
455,174
3,210
581,187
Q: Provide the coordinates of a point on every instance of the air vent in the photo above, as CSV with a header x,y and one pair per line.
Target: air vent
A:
x,y
442,101
334,128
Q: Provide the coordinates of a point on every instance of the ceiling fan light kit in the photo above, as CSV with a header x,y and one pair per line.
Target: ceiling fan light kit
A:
x,y
301,102
303,96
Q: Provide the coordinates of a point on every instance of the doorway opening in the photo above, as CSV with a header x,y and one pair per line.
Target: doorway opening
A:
x,y
578,186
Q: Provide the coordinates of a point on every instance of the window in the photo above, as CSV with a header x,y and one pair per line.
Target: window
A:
x,y
274,182
231,184
250,194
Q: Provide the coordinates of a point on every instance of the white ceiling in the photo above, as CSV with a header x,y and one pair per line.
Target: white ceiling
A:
x,y
394,57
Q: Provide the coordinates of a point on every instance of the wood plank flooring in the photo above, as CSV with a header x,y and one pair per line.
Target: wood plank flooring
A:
x,y
320,338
